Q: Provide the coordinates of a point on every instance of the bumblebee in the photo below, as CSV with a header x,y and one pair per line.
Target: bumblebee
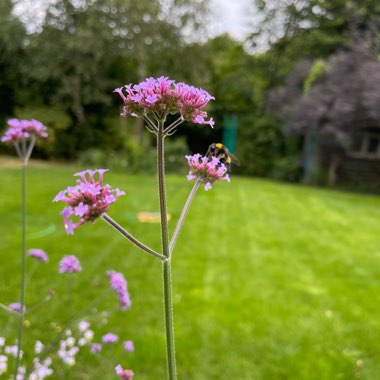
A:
x,y
222,153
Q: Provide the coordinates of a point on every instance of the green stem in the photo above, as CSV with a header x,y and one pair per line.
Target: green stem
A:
x,y
69,297
166,266
23,269
8,310
131,238
162,192
169,322
183,216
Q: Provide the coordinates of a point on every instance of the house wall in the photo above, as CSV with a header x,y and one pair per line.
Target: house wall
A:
x,y
363,173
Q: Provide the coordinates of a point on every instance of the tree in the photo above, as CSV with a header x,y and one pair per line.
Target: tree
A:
x,y
12,36
295,29
343,100
86,49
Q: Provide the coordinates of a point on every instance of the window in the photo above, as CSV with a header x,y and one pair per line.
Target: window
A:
x,y
366,145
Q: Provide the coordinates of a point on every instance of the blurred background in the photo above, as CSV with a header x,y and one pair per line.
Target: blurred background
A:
x,y
271,280
296,82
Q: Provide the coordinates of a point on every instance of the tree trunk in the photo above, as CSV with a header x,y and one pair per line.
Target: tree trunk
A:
x,y
335,162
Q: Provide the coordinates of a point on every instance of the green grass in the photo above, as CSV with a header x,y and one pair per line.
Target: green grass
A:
x,y
271,281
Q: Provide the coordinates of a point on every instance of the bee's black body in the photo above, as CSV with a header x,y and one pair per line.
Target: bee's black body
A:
x,y
222,153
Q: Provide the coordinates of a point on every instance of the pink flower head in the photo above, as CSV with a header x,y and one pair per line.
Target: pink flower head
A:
x,y
23,129
95,348
16,306
88,200
124,374
110,338
69,264
164,96
128,346
38,254
119,285
207,170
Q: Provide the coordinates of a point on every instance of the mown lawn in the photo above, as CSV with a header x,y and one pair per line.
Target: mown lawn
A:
x,y
271,281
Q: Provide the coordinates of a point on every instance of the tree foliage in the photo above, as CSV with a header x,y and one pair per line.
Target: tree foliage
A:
x,y
342,100
11,52
85,49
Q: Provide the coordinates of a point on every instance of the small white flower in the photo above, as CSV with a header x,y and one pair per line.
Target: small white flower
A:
x,y
82,342
12,350
21,373
88,335
70,341
69,360
3,364
83,326
38,347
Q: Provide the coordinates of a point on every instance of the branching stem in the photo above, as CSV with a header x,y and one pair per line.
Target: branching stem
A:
x,y
172,126
132,239
183,215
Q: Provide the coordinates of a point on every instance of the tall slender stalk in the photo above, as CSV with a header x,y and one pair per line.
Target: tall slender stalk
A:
x,y
23,268
166,266
69,298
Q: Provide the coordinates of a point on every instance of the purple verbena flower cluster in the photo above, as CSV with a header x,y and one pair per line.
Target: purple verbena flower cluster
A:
x,y
16,306
95,348
128,346
207,170
164,96
69,264
23,129
110,338
119,284
88,200
124,374
38,254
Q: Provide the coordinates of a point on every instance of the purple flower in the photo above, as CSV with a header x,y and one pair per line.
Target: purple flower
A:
x,y
119,285
124,374
69,264
207,170
16,306
38,254
96,347
128,346
88,200
23,129
110,338
163,96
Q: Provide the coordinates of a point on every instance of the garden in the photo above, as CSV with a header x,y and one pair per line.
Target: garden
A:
x,y
177,204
